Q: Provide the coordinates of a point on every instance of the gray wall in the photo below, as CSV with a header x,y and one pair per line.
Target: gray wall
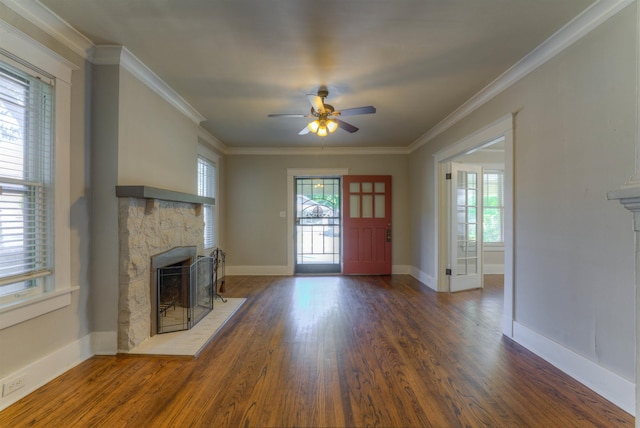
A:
x,y
29,341
574,141
104,178
139,139
257,192
157,144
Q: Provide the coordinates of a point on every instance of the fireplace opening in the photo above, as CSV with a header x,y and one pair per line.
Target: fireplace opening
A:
x,y
182,290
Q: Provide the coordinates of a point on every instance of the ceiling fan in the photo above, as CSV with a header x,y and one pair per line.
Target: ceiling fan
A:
x,y
326,117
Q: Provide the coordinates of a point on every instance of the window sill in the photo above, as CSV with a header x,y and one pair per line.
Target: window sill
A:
x,y
18,312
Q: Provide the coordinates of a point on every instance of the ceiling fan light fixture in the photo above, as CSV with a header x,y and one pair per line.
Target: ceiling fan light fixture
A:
x,y
325,115
313,126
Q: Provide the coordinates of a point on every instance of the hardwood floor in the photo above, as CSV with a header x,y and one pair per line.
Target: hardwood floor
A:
x,y
331,351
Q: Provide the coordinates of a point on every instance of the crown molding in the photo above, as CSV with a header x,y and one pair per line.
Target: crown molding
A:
x,y
205,136
45,19
571,32
107,55
315,151
120,55
48,21
54,25
15,42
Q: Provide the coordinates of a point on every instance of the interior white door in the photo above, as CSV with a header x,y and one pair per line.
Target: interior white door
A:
x,y
465,260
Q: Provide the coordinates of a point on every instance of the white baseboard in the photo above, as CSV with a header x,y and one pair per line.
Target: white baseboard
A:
x,y
611,386
39,372
424,278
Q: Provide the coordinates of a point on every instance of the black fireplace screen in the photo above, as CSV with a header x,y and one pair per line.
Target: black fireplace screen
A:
x,y
185,294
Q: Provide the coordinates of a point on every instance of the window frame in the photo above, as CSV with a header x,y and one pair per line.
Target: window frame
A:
x,y
26,185
210,156
22,52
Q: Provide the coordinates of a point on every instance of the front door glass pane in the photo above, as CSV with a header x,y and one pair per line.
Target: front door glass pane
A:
x,y
367,206
317,225
379,206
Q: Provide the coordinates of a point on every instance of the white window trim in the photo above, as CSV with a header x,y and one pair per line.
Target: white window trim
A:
x,y
32,52
495,246
292,173
215,159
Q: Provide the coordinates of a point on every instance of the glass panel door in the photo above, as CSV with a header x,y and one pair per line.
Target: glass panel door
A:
x,y
317,225
466,230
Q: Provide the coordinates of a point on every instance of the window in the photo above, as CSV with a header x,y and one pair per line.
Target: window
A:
x,y
35,184
26,203
207,173
493,209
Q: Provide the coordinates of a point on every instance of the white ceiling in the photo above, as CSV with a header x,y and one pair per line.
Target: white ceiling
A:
x,y
235,61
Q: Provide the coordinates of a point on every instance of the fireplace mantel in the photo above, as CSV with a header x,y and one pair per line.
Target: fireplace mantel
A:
x,y
147,192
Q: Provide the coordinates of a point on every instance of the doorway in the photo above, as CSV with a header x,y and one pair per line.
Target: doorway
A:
x,y
317,225
501,130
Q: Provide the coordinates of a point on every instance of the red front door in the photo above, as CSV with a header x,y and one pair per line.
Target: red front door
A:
x,y
366,224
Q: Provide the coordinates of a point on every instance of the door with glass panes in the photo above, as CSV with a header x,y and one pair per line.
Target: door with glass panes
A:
x,y
465,261
367,224
317,225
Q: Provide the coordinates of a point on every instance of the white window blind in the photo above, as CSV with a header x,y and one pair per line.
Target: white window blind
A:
x,y
26,145
207,187
493,207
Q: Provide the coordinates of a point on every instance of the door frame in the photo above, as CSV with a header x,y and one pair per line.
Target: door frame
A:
x,y
292,173
503,127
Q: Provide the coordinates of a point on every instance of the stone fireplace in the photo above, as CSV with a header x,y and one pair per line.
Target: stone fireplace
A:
x,y
151,221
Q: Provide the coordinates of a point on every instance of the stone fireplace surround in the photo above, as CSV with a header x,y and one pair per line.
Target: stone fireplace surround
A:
x,y
150,221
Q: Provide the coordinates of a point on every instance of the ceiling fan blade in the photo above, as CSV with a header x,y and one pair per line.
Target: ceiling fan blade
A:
x,y
304,131
356,110
288,115
316,103
346,126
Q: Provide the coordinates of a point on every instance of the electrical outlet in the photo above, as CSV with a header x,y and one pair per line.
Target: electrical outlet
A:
x,y
13,385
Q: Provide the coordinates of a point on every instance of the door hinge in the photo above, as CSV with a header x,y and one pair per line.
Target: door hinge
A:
x,y
447,272
447,176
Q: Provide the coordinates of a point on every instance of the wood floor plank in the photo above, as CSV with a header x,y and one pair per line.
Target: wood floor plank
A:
x,y
331,351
